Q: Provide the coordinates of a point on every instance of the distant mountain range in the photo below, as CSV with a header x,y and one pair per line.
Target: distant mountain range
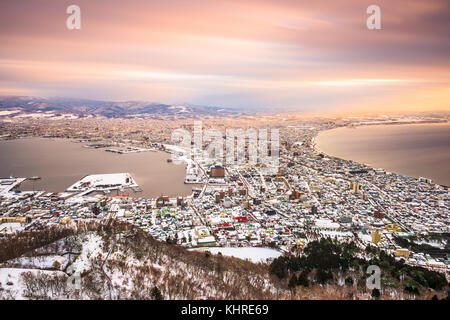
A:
x,y
16,106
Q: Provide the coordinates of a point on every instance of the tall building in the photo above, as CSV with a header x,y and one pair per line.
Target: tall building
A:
x,y
355,186
400,252
376,236
217,172
378,214
294,195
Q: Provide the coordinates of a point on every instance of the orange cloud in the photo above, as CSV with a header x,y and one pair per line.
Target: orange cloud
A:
x,y
288,54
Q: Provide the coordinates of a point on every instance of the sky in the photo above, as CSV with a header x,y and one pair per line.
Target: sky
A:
x,y
283,55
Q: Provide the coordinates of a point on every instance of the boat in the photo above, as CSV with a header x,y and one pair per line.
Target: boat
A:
x,y
35,178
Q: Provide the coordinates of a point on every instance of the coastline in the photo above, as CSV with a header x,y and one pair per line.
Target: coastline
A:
x,y
57,186
316,148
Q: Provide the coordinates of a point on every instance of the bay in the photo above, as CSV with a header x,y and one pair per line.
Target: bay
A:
x,y
61,162
416,150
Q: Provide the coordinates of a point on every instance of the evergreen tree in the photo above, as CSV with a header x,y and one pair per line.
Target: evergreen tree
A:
x,y
349,281
155,294
293,282
302,279
375,293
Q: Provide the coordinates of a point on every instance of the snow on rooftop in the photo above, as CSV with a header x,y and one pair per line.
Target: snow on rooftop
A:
x,y
103,181
10,227
11,280
337,234
40,262
327,224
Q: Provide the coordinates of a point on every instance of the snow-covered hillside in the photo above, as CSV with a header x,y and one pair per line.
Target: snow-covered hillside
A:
x,y
123,262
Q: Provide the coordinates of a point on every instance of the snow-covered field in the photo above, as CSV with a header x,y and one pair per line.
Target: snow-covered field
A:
x,y
91,247
10,227
12,283
340,235
41,262
253,254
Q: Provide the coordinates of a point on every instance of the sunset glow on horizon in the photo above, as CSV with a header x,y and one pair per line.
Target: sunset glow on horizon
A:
x,y
283,55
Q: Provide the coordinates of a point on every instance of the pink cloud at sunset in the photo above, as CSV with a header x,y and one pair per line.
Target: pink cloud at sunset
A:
x,y
288,55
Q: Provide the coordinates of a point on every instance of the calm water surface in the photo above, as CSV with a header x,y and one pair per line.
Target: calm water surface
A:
x,y
417,150
60,163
